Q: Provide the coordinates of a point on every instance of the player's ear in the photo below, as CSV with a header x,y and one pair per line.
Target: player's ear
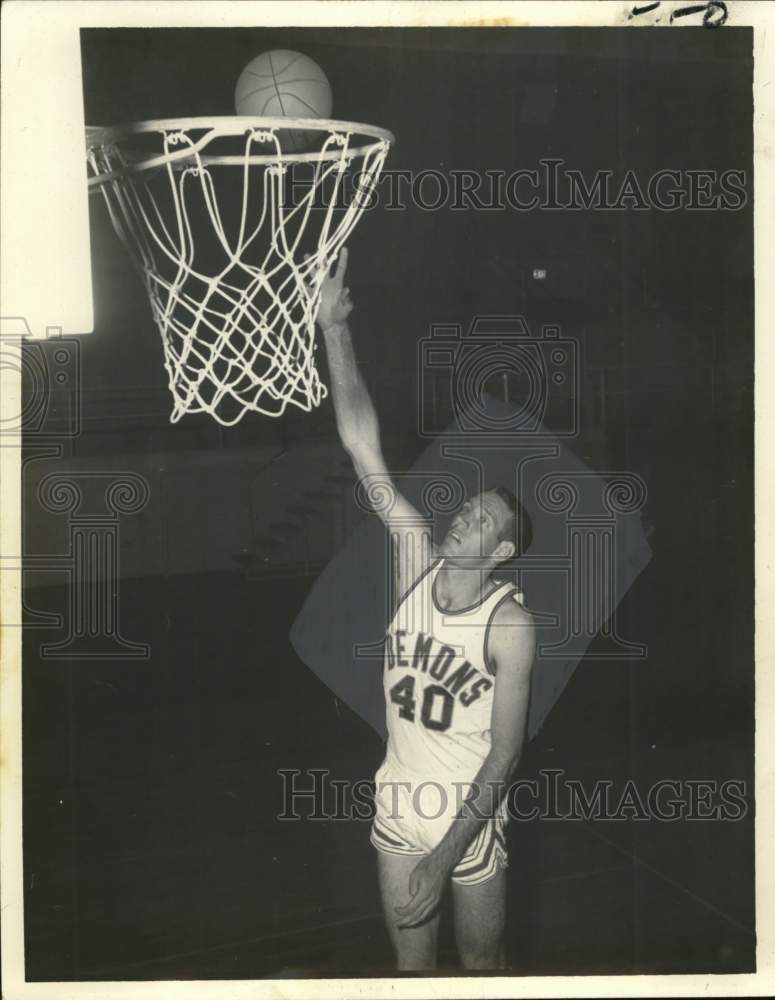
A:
x,y
504,550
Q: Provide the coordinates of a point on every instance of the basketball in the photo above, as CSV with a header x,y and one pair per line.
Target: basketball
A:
x,y
284,84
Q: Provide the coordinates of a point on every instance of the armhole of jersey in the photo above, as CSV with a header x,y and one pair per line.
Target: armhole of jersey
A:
x,y
432,565
487,661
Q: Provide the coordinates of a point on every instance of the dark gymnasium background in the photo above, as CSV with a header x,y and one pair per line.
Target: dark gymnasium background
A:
x,y
152,848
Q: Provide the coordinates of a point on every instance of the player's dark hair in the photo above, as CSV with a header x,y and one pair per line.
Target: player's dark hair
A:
x,y
519,528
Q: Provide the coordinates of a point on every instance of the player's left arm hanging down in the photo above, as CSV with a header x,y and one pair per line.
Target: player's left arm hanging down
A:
x,y
512,651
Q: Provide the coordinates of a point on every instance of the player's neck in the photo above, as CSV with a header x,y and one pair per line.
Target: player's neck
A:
x,y
457,587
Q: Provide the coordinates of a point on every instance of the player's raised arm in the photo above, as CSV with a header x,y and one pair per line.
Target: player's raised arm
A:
x,y
358,427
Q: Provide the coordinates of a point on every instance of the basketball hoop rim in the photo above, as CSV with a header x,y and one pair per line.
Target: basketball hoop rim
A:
x,y
234,125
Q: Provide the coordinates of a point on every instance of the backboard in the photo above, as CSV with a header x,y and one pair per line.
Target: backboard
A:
x,y
46,287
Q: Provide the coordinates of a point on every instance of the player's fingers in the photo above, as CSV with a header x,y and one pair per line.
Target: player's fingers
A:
x,y
406,915
341,264
417,916
420,904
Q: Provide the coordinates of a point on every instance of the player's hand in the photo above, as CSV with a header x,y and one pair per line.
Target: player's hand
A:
x,y
426,885
335,302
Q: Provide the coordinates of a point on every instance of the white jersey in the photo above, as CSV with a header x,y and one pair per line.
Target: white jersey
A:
x,y
438,684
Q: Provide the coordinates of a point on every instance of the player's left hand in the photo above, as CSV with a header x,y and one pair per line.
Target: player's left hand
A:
x,y
426,885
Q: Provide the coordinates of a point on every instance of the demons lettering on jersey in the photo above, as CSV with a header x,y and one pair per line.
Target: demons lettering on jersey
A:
x,y
439,661
438,684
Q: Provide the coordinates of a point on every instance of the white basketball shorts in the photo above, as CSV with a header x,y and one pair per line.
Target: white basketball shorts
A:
x,y
413,814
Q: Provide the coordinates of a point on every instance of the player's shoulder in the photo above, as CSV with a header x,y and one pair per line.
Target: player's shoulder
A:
x,y
512,641
510,611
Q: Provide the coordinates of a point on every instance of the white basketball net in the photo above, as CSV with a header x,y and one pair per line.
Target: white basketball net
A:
x,y
236,310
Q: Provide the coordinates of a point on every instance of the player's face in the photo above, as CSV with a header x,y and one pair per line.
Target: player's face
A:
x,y
475,528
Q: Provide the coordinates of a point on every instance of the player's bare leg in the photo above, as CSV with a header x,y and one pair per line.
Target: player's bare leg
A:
x,y
480,918
415,947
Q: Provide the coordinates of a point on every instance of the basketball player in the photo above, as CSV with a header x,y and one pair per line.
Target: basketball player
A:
x,y
459,653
